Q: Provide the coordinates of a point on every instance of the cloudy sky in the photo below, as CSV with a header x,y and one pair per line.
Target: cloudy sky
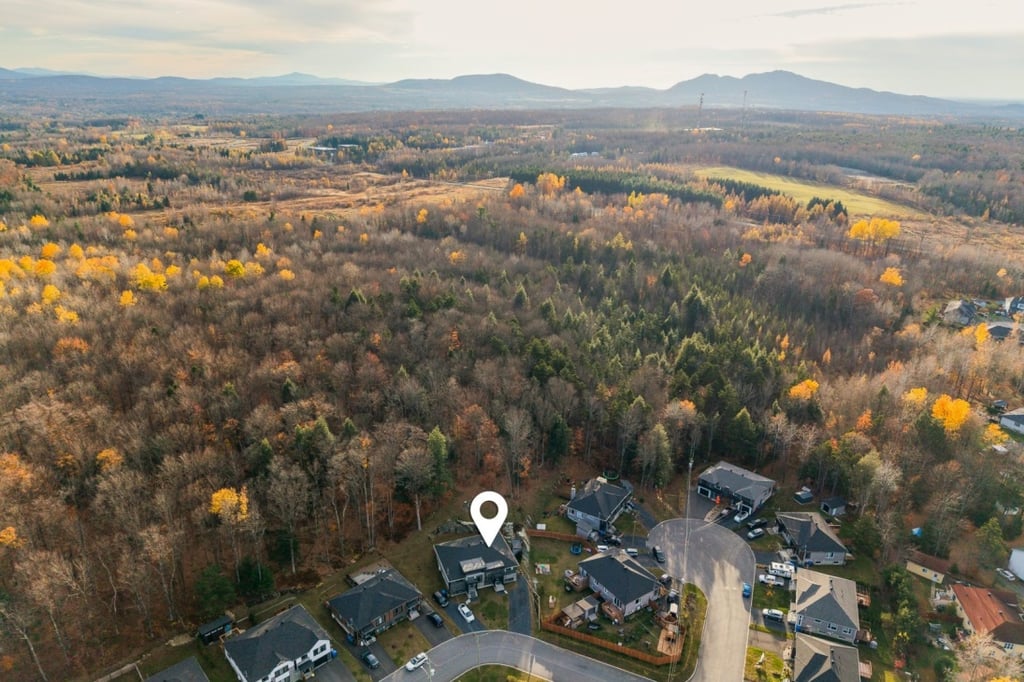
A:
x,y
946,48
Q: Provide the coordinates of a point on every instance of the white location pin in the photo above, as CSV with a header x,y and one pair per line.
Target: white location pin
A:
x,y
488,527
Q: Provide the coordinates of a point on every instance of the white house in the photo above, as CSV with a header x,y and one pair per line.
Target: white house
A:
x,y
621,580
826,605
1013,420
287,646
1017,563
597,506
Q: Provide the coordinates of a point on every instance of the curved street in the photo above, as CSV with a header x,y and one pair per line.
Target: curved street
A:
x,y
719,562
463,653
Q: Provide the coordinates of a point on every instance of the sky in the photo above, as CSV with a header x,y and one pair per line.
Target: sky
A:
x,y
942,48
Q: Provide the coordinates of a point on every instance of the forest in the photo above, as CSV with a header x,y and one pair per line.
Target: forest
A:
x,y
238,354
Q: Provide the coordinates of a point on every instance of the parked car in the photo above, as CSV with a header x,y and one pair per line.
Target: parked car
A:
x,y
602,548
747,589
593,625
441,597
742,516
416,661
1006,574
757,523
466,613
755,534
773,614
767,579
370,660
435,618
658,553
632,551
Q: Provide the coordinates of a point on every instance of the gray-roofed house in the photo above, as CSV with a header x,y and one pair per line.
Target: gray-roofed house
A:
x,y
621,581
811,538
183,671
818,660
747,490
833,506
1013,420
374,605
290,642
597,506
1000,331
467,564
1013,305
826,605
959,312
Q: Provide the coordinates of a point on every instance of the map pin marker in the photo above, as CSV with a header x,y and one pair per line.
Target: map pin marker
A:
x,y
488,527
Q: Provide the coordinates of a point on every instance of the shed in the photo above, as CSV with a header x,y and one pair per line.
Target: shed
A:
x,y
834,506
209,633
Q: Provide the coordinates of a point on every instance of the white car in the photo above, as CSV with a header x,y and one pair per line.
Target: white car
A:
x,y
773,614
742,516
466,613
755,534
767,579
1006,574
416,661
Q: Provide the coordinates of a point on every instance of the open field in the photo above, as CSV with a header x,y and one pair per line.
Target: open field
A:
x,y
857,204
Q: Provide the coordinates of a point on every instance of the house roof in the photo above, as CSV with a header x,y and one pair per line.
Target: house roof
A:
x,y
371,599
991,611
285,637
1000,330
819,660
834,502
958,305
932,563
809,531
600,500
737,480
1016,416
827,597
620,574
471,555
184,671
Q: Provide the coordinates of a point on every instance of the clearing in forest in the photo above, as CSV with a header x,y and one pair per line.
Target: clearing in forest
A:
x,y
803,191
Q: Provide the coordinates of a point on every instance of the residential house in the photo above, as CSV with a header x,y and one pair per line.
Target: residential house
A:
x,y
993,612
811,538
374,605
467,564
825,605
597,506
834,506
959,312
621,581
1013,306
735,485
185,671
1013,420
1016,565
1000,331
819,660
209,633
928,567
288,646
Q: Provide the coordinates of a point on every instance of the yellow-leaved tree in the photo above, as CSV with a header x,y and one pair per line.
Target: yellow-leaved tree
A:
x,y
549,183
916,396
994,435
892,277
951,412
876,230
805,390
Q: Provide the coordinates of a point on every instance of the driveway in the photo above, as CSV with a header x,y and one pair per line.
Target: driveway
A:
x,y
433,634
335,671
717,561
519,607
458,656
453,611
386,664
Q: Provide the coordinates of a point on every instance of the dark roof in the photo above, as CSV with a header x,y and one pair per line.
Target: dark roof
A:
x,y
473,554
834,502
214,625
826,597
932,563
1000,330
809,532
737,480
370,600
620,574
600,500
819,660
1016,416
991,611
285,637
185,671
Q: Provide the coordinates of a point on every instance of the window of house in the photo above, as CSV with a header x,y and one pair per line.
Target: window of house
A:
x,y
1008,645
817,621
832,627
847,631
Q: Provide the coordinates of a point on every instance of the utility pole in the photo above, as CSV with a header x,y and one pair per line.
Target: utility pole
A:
x,y
700,112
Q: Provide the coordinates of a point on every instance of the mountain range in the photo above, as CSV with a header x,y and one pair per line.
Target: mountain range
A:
x,y
41,90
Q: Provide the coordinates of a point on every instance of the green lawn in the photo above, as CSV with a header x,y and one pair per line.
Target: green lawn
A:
x,y
771,597
772,669
402,642
803,191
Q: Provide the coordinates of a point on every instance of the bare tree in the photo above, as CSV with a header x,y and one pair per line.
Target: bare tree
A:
x,y
288,497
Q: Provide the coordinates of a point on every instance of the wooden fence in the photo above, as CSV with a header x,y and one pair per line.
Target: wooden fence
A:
x,y
565,537
611,646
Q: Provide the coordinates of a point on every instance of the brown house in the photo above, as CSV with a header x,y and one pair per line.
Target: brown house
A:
x,y
991,611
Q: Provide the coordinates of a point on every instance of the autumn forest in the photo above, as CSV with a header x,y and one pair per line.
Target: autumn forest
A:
x,y
238,354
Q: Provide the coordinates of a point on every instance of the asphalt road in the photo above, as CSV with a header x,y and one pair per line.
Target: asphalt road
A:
x,y
460,655
719,562
519,607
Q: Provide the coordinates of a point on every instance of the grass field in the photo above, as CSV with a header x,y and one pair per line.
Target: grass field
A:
x,y
771,669
856,203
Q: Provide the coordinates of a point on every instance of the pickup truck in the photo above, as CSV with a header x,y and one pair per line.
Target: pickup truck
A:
x,y
773,580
